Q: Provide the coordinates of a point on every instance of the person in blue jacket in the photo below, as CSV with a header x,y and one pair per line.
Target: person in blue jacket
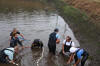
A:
x,y
80,55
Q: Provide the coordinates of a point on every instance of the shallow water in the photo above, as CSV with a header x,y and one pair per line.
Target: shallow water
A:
x,y
35,24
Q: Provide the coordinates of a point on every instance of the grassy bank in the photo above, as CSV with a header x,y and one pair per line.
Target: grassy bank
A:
x,y
85,31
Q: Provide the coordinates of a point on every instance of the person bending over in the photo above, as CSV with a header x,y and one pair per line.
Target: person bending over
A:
x,y
80,55
7,54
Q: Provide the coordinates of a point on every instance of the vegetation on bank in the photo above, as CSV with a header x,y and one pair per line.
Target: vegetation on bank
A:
x,y
86,32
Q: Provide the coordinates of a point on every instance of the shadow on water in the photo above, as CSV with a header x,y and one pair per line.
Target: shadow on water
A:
x,y
31,19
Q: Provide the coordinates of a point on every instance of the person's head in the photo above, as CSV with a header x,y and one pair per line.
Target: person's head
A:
x,y
14,30
56,30
68,38
16,49
15,35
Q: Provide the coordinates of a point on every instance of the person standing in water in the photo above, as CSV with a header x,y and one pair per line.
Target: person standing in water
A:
x,y
14,37
15,41
54,38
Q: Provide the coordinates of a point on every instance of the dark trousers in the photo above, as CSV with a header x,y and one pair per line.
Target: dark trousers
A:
x,y
83,60
52,48
14,42
4,60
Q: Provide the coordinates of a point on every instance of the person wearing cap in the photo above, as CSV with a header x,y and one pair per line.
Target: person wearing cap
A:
x,y
7,54
80,55
67,44
54,38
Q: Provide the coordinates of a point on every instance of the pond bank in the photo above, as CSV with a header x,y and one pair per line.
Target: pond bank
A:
x,y
85,31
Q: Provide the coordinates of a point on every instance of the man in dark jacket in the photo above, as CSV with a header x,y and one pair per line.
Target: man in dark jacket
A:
x,y
54,39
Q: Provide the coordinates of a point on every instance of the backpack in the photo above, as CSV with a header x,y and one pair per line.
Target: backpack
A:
x,y
66,48
52,38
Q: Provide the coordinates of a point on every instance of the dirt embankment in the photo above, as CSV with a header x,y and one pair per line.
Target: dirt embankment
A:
x,y
91,7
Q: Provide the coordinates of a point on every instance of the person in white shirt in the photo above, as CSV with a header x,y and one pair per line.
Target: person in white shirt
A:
x,y
67,44
7,54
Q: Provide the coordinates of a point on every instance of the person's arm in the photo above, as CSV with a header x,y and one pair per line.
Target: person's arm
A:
x,y
58,38
58,41
10,38
63,48
77,62
21,35
12,61
71,58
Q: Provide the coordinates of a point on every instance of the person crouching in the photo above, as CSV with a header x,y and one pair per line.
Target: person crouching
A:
x,y
37,43
7,54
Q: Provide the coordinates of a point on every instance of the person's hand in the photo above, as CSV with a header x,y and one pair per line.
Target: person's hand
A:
x,y
11,62
63,52
74,65
23,47
57,41
68,62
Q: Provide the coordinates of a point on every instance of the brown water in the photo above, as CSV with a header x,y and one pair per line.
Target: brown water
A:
x,y
35,24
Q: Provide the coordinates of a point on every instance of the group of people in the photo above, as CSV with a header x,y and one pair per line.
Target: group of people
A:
x,y
68,46
80,55
7,54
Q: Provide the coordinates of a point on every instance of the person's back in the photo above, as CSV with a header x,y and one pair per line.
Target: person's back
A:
x,y
5,53
52,38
